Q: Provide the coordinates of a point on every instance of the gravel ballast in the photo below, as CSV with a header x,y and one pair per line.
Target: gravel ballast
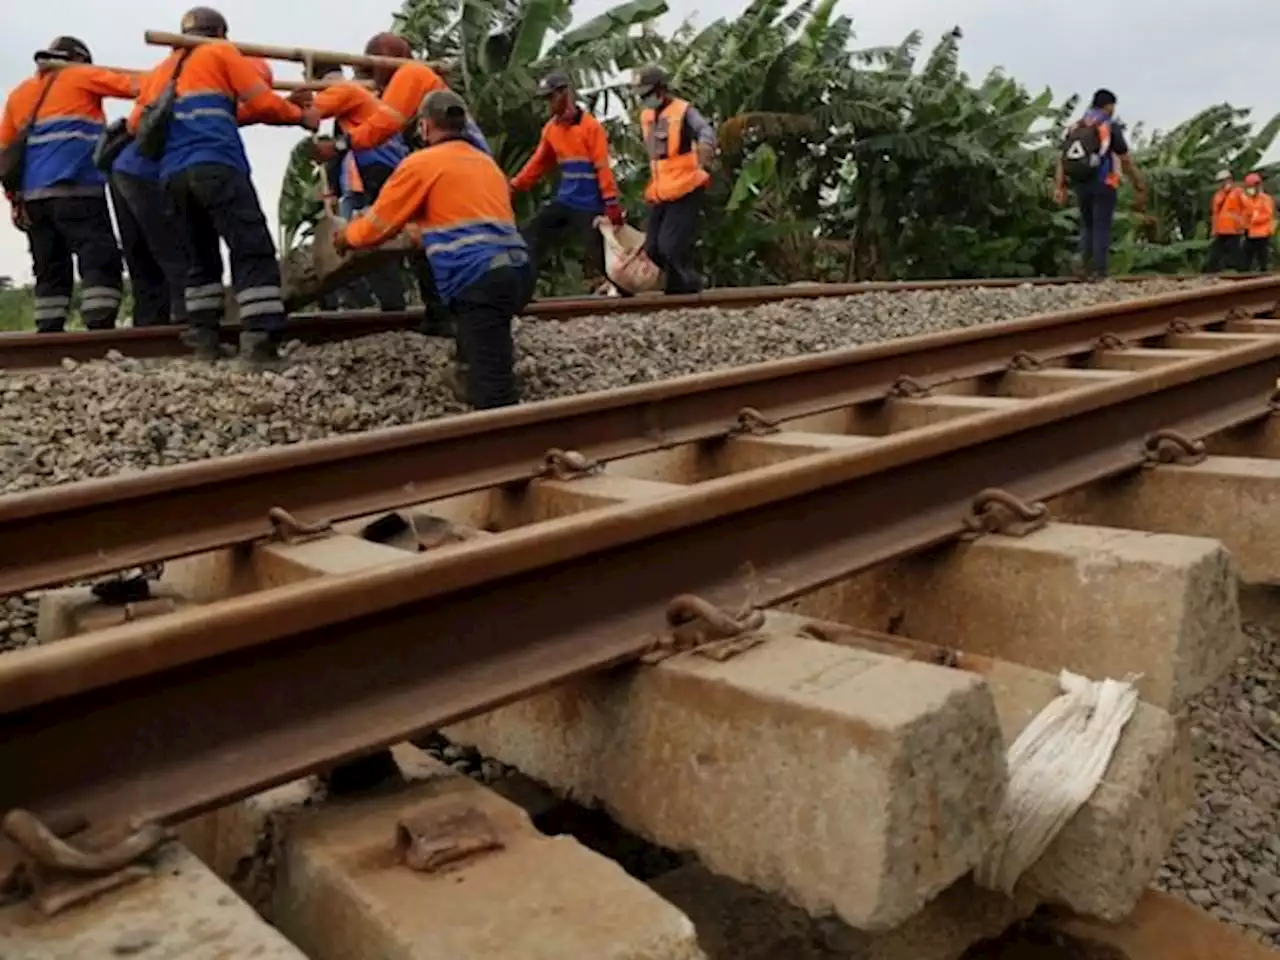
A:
x,y
103,418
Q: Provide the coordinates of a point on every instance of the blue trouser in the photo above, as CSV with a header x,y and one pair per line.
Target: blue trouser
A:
x,y
1097,212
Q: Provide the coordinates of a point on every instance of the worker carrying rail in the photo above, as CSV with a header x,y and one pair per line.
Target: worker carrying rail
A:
x,y
459,198
58,197
576,142
190,109
357,176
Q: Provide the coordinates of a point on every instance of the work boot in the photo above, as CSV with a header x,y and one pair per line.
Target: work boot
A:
x,y
260,351
204,342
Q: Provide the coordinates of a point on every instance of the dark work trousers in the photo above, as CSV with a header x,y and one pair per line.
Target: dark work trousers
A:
x,y
1224,253
1097,212
384,282
80,227
670,235
552,221
219,202
483,314
154,243
1257,254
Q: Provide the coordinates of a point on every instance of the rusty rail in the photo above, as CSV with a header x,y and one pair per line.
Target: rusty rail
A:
x,y
154,713
84,529
27,351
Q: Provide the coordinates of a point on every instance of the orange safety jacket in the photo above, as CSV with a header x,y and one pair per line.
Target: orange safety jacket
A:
x,y
59,154
353,106
1227,212
1261,212
217,81
459,198
579,145
409,86
675,172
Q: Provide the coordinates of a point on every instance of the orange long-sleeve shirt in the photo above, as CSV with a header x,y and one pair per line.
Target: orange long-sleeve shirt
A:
x,y
1260,211
457,196
580,147
216,82
409,86
1228,214
60,141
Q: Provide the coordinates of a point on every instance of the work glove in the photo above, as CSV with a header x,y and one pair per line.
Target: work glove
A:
x,y
613,210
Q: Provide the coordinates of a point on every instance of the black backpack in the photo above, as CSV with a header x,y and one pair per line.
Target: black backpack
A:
x,y
1082,152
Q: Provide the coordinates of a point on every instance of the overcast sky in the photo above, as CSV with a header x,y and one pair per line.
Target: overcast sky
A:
x,y
1165,59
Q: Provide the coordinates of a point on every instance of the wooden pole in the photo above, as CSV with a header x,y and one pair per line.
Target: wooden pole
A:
x,y
306,55
284,85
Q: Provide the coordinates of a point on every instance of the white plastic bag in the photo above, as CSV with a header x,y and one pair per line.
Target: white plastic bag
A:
x,y
626,264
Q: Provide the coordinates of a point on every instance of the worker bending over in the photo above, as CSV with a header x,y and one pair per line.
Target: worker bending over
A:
x,y
680,144
1260,220
1227,225
458,197
577,143
207,175
357,176
58,196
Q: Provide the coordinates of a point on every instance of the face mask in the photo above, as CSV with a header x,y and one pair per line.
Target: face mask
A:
x,y
1251,191
653,101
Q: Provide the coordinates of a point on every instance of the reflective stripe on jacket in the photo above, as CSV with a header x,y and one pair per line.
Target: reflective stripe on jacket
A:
x,y
459,198
216,80
580,147
59,154
1261,212
1227,215
674,171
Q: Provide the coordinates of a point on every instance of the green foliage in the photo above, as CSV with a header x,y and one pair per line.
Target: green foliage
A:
x,y
835,162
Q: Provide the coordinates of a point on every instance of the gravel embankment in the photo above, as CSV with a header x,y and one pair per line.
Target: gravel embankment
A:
x,y
1227,857
108,417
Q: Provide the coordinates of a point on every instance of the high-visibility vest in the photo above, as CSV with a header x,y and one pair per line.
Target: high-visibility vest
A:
x,y
1260,210
677,174
1228,212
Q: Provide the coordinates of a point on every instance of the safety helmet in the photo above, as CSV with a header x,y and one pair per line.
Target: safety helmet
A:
x,y
1253,180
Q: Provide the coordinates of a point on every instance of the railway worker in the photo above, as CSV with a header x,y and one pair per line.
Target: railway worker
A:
x,y
1094,152
577,142
459,198
680,144
48,131
207,174
404,88
1226,224
357,176
1260,210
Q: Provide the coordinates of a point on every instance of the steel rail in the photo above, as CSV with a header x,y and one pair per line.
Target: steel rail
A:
x,y
30,351
93,527
169,718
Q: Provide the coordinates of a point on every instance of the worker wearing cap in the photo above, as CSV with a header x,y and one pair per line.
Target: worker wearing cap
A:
x,y
1227,222
459,199
60,198
1260,224
207,175
577,143
680,144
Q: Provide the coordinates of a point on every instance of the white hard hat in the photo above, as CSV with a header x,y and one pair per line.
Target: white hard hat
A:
x,y
1223,175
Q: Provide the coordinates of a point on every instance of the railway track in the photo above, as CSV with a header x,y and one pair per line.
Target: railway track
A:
x,y
26,351
544,543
